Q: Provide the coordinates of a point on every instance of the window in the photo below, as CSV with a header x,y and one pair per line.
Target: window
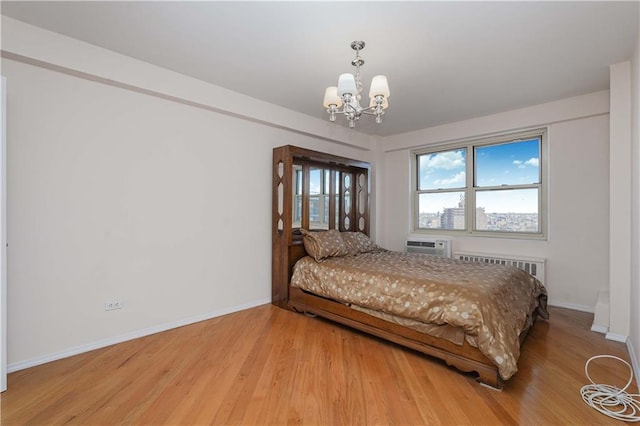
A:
x,y
336,197
318,197
489,187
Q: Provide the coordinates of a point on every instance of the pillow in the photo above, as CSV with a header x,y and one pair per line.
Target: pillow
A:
x,y
321,245
357,242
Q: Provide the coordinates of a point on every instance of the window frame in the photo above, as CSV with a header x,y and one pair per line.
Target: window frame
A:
x,y
322,198
470,189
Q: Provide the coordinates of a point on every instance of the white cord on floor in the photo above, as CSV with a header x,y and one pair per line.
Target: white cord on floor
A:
x,y
608,399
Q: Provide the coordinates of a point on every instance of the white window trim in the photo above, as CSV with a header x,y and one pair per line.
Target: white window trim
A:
x,y
470,190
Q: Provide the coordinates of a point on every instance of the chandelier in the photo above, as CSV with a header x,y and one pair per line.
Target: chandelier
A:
x,y
345,98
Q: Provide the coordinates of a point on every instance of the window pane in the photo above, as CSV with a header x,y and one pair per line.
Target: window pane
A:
x,y
297,209
325,199
507,210
327,177
315,181
442,210
298,180
514,163
314,209
442,170
297,197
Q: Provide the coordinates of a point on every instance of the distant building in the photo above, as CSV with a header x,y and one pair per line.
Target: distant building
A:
x,y
481,218
452,218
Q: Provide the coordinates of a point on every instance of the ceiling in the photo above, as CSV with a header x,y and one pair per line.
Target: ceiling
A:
x,y
445,61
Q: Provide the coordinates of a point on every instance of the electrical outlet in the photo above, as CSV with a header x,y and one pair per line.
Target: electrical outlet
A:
x,y
113,305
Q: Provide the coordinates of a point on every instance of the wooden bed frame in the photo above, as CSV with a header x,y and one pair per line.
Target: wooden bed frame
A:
x,y
349,211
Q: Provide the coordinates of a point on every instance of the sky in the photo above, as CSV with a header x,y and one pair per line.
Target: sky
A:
x,y
497,165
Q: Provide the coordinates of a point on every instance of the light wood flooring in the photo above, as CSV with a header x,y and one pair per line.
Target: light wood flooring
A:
x,y
270,366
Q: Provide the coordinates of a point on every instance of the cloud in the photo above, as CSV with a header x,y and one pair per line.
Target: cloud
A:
x,y
532,162
457,178
444,160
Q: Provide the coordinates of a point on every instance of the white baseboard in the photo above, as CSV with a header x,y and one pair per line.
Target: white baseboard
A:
x,y
572,306
21,365
599,328
617,337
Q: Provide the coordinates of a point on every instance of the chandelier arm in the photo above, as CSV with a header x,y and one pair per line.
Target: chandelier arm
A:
x,y
372,110
337,110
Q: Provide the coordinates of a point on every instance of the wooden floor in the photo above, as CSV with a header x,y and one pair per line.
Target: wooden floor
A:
x,y
270,366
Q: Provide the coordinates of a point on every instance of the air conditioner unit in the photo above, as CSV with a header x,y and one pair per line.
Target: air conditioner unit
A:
x,y
433,247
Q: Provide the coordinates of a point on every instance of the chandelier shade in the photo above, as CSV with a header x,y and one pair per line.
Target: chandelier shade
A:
x,y
331,97
379,86
346,84
346,96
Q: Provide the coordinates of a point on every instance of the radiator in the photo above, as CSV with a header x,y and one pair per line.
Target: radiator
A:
x,y
532,265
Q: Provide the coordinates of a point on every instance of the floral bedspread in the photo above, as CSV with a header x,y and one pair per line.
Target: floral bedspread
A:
x,y
491,303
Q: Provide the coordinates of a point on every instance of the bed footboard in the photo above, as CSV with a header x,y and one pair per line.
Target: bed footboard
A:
x,y
464,358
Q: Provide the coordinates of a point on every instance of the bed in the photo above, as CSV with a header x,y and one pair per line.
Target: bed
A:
x,y
472,316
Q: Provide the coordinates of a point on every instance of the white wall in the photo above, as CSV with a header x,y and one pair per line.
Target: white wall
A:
x,y
117,194
577,249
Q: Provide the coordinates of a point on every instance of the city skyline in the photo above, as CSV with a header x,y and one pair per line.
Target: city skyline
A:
x,y
454,219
